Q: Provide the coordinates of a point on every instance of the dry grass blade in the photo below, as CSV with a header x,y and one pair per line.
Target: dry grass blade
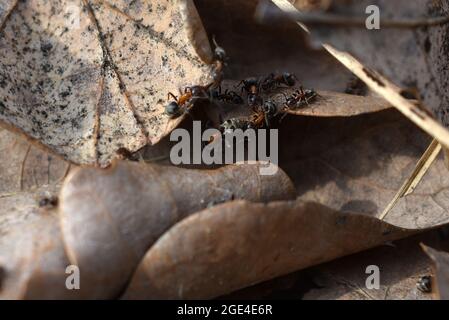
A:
x,y
420,170
382,86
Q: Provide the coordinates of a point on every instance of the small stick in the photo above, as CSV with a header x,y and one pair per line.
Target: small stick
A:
x,y
418,173
336,20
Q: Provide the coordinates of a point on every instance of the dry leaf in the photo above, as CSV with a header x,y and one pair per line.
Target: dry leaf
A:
x,y
357,164
411,57
24,167
256,49
111,217
402,263
87,78
32,257
238,244
326,104
441,266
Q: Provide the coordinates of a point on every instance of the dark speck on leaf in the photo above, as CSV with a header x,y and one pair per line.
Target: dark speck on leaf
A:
x,y
46,48
47,67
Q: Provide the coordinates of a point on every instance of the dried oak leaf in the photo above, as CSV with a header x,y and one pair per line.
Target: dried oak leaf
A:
x,y
326,104
256,49
24,167
413,57
110,218
357,164
238,244
401,264
32,256
87,78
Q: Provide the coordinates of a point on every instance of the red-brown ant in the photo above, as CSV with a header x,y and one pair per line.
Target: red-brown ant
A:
x,y
182,104
252,88
299,98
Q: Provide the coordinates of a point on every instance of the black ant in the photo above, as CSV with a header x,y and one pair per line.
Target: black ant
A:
x,y
272,82
48,201
228,96
220,62
252,88
270,110
299,98
424,284
175,108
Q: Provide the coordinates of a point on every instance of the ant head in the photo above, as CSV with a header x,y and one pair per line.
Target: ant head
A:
x,y
289,79
253,100
269,107
251,82
172,109
310,93
236,99
220,54
213,93
197,91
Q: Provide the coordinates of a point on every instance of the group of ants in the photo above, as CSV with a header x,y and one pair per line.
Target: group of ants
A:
x,y
263,111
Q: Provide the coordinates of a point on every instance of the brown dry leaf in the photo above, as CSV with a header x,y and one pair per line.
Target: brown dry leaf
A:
x,y
417,112
357,164
32,257
25,167
410,57
238,244
111,217
334,104
441,266
350,164
256,49
402,263
87,78
326,104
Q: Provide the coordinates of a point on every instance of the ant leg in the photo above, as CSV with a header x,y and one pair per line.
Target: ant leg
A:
x,y
187,90
283,116
267,122
171,95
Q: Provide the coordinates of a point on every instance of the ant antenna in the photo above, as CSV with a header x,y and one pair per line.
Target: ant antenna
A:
x,y
220,53
215,42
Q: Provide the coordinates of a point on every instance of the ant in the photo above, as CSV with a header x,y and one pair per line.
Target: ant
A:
x,y
424,284
174,108
299,98
252,88
270,110
272,82
220,62
48,201
228,96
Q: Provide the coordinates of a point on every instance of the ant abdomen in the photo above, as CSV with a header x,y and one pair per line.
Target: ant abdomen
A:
x,y
172,109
